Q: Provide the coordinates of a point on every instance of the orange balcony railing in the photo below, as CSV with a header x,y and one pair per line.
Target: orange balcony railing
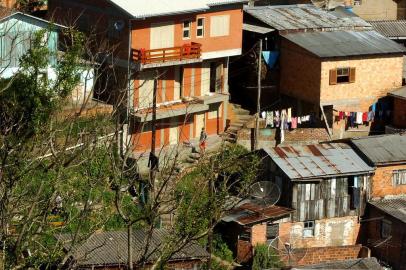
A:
x,y
187,51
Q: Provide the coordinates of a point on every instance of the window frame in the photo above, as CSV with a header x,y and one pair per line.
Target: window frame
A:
x,y
398,178
201,27
334,75
386,228
309,226
216,19
188,29
345,76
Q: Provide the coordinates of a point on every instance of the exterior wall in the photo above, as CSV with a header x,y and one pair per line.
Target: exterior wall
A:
x,y
375,77
375,10
8,3
141,31
302,80
393,251
399,113
258,234
341,231
326,254
381,182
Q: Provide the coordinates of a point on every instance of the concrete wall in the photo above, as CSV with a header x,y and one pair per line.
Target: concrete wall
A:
x,y
375,10
399,113
381,182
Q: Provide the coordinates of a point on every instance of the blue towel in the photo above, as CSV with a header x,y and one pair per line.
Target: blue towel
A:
x,y
270,57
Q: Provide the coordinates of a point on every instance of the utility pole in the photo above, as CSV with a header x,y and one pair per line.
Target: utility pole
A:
x,y
256,138
153,139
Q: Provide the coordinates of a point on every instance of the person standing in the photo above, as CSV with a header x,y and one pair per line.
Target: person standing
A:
x,y
202,141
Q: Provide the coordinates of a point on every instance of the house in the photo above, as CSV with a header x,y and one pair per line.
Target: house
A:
x,y
376,10
108,250
385,230
250,223
184,46
345,75
399,111
393,29
327,185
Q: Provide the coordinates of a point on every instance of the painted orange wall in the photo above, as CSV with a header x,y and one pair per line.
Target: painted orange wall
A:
x,y
141,31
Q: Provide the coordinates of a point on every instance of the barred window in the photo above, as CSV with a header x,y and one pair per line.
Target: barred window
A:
x,y
399,177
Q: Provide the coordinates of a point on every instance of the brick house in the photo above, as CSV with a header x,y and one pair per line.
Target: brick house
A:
x,y
108,250
326,184
342,80
184,45
399,111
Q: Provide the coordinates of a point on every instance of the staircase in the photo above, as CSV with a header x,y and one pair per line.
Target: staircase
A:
x,y
239,117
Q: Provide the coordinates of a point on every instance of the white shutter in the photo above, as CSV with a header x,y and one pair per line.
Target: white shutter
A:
x,y
162,35
205,83
145,90
220,26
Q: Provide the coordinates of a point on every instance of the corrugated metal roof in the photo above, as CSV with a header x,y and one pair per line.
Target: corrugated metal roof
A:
x,y
110,248
345,43
256,28
362,263
395,207
305,16
395,29
383,149
250,212
318,161
399,93
151,8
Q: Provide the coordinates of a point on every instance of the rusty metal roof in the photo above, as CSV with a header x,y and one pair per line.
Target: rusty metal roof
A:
x,y
394,29
382,149
305,16
251,212
345,43
395,207
110,248
301,162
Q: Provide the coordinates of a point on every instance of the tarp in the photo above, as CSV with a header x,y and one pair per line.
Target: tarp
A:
x,y
270,57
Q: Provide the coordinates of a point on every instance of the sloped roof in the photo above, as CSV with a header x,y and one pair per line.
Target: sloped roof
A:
x,y
318,161
382,149
361,263
151,8
6,13
345,43
391,28
399,93
110,248
395,207
305,16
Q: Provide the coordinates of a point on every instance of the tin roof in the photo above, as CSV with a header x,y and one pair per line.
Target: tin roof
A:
x,y
150,8
399,93
110,248
345,43
305,16
251,212
382,149
256,28
395,29
361,263
395,207
327,160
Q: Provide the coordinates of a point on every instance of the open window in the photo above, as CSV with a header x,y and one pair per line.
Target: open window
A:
x,y
342,75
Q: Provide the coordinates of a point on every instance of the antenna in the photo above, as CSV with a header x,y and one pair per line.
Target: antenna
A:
x,y
265,192
290,249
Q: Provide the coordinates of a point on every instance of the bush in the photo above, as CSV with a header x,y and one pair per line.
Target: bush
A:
x,y
265,258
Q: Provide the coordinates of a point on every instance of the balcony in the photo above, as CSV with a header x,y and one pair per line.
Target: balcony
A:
x,y
188,53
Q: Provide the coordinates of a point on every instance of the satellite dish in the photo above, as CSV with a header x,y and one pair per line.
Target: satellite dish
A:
x,y
119,25
265,192
291,249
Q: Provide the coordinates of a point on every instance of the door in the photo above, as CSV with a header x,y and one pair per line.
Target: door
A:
x,y
178,83
174,134
200,123
145,90
205,84
162,35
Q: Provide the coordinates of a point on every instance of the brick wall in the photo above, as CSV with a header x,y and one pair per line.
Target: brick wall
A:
x,y
399,114
258,234
381,182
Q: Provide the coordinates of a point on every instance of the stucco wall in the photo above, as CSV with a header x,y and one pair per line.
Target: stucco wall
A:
x,y
381,182
374,10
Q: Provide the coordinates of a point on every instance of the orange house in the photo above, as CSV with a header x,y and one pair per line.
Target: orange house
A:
x,y
184,46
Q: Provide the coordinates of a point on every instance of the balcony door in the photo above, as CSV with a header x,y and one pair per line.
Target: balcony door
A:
x,y
162,35
146,89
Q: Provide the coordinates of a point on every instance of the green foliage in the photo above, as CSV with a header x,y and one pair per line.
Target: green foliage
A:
x,y
265,258
221,249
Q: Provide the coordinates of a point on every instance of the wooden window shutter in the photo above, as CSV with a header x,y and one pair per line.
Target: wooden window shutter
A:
x,y
352,75
333,76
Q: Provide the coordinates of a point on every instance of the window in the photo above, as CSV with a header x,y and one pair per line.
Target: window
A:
x,y
186,29
245,235
272,231
342,75
200,27
386,228
220,26
357,2
308,228
399,177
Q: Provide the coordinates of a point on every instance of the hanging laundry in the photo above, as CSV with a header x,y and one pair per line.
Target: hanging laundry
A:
x,y
299,120
341,115
263,115
294,123
364,117
289,119
359,118
371,116
269,119
270,57
352,119
276,119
